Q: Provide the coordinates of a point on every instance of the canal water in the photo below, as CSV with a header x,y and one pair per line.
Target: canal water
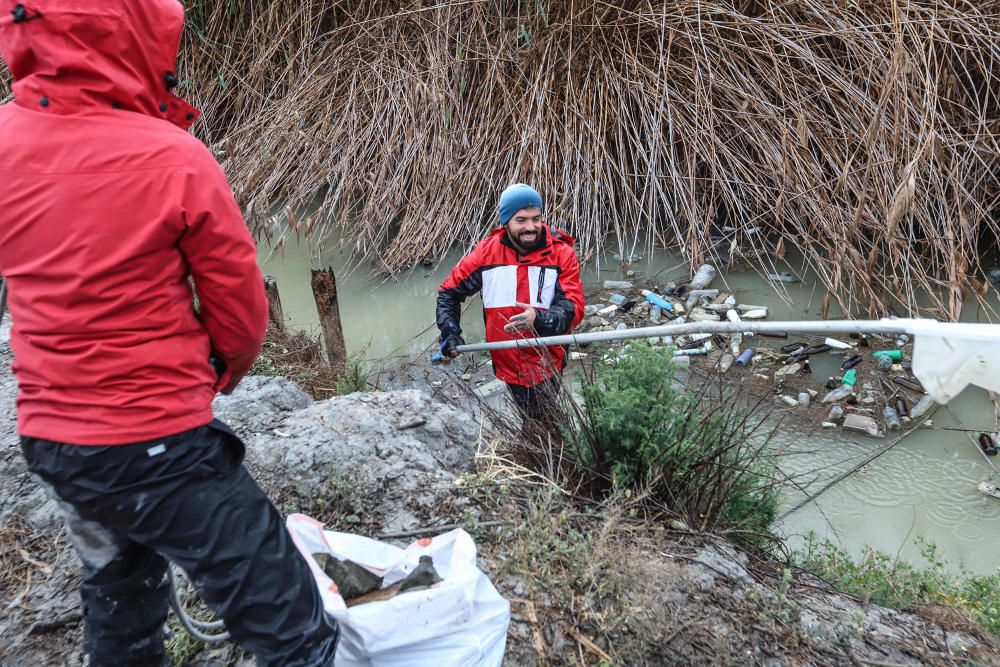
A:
x,y
923,488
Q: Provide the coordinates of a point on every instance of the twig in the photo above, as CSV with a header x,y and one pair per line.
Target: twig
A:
x,y
587,643
536,630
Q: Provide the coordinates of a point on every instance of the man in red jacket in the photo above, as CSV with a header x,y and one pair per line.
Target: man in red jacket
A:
x,y
108,209
529,277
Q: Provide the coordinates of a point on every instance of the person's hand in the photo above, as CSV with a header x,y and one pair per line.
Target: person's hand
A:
x,y
522,321
449,344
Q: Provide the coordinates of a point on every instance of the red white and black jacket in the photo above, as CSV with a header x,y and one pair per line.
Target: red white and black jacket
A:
x,y
547,278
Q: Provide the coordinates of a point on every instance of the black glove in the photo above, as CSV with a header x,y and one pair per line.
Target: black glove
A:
x,y
449,343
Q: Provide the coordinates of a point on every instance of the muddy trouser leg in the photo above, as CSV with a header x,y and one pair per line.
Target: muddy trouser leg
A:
x,y
188,498
124,593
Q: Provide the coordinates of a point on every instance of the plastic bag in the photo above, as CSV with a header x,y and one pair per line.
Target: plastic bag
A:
x,y
947,357
461,621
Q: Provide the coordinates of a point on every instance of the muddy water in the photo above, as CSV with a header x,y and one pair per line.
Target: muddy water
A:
x,y
383,319
925,487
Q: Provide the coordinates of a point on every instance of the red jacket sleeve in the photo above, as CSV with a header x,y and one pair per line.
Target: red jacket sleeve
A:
x,y
222,257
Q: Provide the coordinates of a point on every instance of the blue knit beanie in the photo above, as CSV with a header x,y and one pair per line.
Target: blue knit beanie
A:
x,y
516,197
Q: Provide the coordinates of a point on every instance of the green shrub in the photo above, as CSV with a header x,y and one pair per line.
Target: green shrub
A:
x,y
901,585
353,377
696,453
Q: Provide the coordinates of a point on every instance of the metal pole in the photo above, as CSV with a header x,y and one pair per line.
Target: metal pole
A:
x,y
825,327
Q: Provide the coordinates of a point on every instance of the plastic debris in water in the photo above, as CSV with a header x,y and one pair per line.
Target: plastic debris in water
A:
x,y
861,424
657,300
703,277
892,422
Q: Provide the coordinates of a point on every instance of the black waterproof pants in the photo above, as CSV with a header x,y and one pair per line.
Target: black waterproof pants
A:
x,y
186,498
539,403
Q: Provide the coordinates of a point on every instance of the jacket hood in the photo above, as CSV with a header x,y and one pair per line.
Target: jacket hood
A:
x,y
72,56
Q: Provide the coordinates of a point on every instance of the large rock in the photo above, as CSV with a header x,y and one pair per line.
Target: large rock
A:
x,y
259,404
398,452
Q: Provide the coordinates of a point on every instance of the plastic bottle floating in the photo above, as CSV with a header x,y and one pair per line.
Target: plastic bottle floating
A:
x,y
988,444
657,300
703,277
783,277
850,362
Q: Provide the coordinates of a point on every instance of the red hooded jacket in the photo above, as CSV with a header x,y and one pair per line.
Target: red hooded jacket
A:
x,y
547,278
108,209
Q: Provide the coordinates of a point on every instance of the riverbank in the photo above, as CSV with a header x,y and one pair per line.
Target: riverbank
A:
x,y
588,584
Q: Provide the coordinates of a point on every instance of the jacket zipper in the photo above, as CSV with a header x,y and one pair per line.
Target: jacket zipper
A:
x,y
541,284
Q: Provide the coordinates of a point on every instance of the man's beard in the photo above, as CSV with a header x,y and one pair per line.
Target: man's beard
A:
x,y
534,245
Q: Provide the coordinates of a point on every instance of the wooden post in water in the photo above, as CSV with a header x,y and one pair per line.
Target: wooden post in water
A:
x,y
275,314
324,287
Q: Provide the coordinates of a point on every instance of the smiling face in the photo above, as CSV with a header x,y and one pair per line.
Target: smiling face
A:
x,y
525,229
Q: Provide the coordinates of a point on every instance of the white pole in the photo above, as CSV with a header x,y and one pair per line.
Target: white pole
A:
x,y
826,327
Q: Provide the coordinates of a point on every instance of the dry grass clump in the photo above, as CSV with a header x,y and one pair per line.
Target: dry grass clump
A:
x,y
22,551
861,132
299,357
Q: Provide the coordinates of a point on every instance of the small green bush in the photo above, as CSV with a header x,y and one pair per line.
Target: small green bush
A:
x,y
353,378
900,584
697,453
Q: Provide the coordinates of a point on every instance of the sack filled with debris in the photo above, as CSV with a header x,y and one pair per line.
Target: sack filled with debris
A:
x,y
427,604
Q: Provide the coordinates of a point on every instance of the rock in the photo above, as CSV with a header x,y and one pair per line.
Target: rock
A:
x,y
259,403
405,423
724,560
467,376
355,441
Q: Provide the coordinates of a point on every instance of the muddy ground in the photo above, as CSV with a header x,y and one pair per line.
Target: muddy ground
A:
x,y
586,587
